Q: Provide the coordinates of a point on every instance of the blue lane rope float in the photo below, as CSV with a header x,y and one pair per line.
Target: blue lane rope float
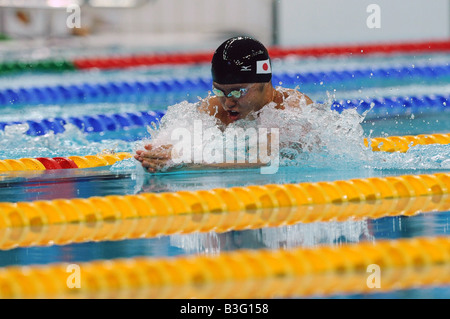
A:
x,y
90,123
395,105
386,106
176,90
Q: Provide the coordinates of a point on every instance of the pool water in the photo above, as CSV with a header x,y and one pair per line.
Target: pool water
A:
x,y
126,177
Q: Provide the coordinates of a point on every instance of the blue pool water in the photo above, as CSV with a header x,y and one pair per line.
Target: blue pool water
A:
x,y
127,177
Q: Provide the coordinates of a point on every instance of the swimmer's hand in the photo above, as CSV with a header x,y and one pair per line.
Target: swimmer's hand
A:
x,y
154,158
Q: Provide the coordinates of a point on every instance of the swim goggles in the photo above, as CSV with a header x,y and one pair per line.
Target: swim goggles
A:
x,y
235,93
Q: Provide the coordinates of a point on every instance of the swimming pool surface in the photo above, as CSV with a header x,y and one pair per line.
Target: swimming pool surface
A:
x,y
21,246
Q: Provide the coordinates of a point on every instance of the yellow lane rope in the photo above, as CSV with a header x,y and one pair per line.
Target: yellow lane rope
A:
x,y
153,214
88,161
385,144
403,143
153,226
351,268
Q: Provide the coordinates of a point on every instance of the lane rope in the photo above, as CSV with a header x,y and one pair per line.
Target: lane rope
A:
x,y
119,62
384,144
327,270
385,106
175,90
152,214
69,162
65,223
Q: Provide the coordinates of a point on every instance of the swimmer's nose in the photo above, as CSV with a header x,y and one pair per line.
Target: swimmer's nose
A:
x,y
230,102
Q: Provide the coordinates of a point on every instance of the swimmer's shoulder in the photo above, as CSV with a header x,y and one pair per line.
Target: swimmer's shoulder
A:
x,y
209,105
285,95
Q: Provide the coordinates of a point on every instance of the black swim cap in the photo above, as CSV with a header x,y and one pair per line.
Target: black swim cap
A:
x,y
241,60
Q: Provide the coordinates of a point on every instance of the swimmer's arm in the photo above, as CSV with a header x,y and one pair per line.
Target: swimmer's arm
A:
x,y
257,164
223,166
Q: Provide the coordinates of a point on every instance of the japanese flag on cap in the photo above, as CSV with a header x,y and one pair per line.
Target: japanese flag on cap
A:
x,y
263,67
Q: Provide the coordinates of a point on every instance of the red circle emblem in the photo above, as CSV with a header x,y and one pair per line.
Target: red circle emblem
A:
x,y
265,66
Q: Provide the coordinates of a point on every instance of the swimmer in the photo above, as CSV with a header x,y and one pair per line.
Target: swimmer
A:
x,y
242,73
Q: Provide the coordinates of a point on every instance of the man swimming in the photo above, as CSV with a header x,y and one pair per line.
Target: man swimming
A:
x,y
242,73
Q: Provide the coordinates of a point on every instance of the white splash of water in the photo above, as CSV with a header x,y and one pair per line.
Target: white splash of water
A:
x,y
314,234
15,143
308,134
434,156
312,136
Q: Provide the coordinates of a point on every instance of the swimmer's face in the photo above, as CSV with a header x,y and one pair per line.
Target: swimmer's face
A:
x,y
252,100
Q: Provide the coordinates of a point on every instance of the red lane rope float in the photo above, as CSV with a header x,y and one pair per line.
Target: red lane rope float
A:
x,y
143,60
65,163
275,52
407,47
48,163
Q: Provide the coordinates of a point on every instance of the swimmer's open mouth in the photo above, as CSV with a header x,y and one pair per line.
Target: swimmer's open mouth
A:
x,y
233,115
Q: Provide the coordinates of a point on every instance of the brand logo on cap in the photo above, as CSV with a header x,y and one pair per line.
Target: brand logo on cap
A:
x,y
263,67
246,68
